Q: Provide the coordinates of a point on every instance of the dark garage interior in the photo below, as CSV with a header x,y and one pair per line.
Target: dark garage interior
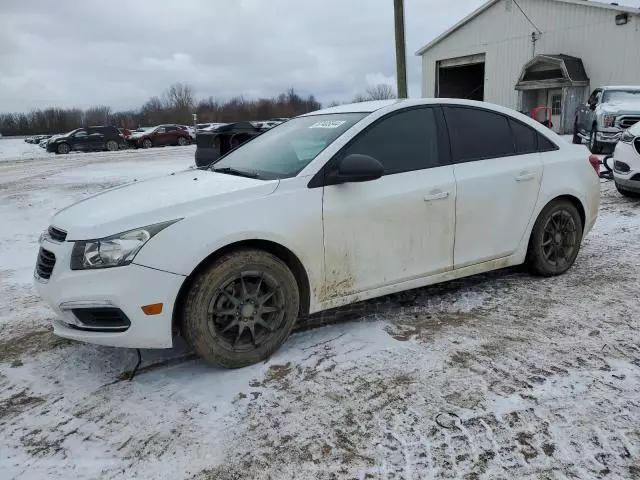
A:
x,y
466,81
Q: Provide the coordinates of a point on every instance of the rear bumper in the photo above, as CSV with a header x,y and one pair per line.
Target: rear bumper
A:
x,y
125,288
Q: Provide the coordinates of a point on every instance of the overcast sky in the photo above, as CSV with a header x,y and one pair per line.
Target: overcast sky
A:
x,y
78,53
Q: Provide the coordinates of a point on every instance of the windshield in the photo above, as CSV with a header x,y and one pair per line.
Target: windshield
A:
x,y
621,96
284,151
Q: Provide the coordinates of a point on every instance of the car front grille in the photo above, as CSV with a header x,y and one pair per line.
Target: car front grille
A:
x,y
626,122
105,319
637,144
56,234
45,264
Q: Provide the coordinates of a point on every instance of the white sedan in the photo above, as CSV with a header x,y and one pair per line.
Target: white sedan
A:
x,y
336,206
626,162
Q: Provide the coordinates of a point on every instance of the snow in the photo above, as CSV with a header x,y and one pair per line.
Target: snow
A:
x,y
496,376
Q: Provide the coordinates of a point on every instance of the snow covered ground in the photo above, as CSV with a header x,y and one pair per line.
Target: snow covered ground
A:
x,y
496,376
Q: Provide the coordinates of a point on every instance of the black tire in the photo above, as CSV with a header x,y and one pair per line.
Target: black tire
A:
x,y
242,332
577,139
111,145
63,148
548,254
147,143
627,193
183,141
594,145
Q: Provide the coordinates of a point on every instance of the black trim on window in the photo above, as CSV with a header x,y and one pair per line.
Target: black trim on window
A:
x,y
547,146
444,147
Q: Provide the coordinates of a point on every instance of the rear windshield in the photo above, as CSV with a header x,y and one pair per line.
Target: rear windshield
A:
x,y
285,150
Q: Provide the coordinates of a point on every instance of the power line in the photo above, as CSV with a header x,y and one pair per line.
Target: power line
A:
x,y
527,17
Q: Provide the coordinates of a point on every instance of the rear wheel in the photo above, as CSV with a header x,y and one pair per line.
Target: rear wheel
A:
x,y
555,239
63,148
241,309
182,141
111,145
627,193
147,143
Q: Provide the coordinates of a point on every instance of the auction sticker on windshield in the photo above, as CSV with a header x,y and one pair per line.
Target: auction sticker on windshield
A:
x,y
328,124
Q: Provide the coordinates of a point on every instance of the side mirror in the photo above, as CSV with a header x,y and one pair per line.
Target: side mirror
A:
x,y
592,106
356,168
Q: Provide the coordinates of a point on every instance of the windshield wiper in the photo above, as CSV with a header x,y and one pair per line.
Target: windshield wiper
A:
x,y
235,171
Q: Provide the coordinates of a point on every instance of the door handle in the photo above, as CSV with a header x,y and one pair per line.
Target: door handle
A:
x,y
436,196
524,176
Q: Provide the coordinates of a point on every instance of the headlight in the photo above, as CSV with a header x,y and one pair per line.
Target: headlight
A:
x,y
627,137
608,121
113,251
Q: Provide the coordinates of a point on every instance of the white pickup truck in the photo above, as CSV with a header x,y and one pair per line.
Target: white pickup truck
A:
x,y
608,112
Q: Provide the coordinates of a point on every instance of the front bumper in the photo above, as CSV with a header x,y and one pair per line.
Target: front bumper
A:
x,y
628,157
608,137
127,288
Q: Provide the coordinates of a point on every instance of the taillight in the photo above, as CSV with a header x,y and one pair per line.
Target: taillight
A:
x,y
594,160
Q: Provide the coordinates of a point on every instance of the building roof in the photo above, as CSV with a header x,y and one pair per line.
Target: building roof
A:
x,y
574,66
490,3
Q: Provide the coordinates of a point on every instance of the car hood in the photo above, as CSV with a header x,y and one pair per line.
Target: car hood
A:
x,y
157,200
621,108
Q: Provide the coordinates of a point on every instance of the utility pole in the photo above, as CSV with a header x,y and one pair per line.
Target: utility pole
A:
x,y
401,52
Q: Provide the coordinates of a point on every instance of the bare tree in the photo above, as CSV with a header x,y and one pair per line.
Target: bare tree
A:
x,y
179,96
381,91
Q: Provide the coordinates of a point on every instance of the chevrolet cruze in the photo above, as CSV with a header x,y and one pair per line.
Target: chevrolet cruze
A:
x,y
336,206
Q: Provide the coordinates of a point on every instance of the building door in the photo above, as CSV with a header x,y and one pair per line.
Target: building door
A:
x,y
554,102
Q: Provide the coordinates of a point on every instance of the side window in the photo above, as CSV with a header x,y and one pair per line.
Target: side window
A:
x,y
545,145
80,134
160,130
172,129
478,134
596,97
403,142
526,138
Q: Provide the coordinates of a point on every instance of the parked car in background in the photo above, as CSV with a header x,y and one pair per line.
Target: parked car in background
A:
x,y
212,144
87,139
608,112
626,162
191,130
290,223
159,136
125,132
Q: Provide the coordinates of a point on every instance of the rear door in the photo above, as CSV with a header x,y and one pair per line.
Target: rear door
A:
x,y
401,226
171,137
96,138
498,173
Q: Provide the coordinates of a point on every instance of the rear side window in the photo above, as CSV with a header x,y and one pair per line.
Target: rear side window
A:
x,y
545,145
172,129
403,142
478,134
526,138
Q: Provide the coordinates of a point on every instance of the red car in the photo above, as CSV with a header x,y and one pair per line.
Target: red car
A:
x,y
159,136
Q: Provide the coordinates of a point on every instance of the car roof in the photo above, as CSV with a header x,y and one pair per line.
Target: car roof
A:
x,y
621,87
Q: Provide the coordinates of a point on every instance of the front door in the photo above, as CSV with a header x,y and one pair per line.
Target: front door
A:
x,y
498,174
401,226
554,102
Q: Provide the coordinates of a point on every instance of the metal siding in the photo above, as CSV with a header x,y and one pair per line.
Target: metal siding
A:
x,y
505,37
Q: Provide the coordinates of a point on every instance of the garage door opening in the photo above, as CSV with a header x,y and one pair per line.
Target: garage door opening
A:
x,y
461,78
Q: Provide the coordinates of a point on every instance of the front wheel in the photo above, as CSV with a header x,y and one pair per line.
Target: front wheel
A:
x,y
555,239
241,309
146,143
63,148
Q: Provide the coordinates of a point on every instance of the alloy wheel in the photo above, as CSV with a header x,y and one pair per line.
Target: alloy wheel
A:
x,y
247,310
559,238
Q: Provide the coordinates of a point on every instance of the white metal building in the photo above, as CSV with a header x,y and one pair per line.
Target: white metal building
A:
x,y
527,53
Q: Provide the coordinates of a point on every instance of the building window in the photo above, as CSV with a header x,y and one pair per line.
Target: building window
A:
x,y
556,104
